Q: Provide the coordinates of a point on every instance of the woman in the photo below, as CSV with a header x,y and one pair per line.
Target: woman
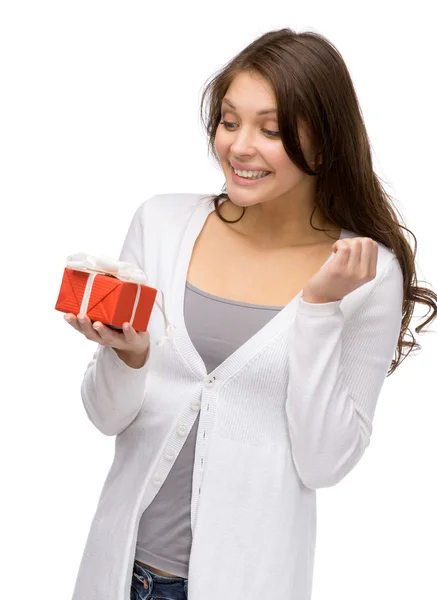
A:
x,y
286,297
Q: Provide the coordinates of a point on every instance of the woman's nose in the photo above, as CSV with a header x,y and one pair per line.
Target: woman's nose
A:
x,y
243,144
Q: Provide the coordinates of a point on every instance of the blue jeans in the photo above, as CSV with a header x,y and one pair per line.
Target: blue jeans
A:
x,y
150,586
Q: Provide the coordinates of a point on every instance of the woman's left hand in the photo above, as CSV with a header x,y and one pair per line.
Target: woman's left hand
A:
x,y
353,265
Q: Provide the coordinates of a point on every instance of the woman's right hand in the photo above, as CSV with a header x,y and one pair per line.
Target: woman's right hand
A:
x,y
129,342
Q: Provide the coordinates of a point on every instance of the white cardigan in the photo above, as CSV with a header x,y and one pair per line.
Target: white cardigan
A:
x,y
288,412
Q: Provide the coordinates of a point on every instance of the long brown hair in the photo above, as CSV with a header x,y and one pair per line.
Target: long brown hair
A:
x,y
312,83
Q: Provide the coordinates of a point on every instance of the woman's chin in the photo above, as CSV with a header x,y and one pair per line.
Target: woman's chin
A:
x,y
242,199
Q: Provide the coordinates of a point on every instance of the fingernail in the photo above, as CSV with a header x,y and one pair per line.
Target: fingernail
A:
x,y
126,327
81,319
96,325
67,318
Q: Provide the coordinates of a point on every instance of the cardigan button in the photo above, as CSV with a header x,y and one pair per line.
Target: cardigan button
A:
x,y
209,382
182,430
169,455
156,480
195,406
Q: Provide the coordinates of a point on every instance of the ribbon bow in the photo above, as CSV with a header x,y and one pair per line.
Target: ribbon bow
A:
x,y
105,265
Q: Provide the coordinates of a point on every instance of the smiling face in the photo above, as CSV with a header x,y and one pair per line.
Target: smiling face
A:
x,y
251,141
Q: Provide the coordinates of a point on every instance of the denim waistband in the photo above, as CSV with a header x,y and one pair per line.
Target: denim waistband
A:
x,y
143,572
148,582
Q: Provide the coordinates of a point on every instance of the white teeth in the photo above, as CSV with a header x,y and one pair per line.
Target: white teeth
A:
x,y
251,174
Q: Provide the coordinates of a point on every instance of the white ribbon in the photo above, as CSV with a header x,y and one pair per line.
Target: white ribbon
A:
x,y
104,265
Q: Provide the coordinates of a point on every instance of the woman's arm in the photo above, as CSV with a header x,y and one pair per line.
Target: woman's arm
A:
x,y
337,369
112,392
113,385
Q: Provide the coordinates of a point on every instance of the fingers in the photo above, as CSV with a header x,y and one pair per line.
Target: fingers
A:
x,y
72,320
359,256
130,334
363,258
83,324
110,337
119,338
369,259
126,339
343,252
354,258
136,342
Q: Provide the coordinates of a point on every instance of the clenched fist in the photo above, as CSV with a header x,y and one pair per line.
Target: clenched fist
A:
x,y
353,265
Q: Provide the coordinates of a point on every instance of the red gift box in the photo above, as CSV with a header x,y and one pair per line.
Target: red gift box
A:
x,y
106,298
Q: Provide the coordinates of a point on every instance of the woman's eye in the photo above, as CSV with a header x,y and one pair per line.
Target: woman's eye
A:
x,y
272,133
229,125
226,124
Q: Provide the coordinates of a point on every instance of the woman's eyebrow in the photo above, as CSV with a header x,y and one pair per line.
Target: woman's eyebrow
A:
x,y
260,112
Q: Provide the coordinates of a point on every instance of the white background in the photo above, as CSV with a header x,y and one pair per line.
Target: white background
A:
x,y
99,111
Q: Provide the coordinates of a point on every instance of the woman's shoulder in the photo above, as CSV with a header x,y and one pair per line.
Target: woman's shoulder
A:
x,y
174,203
169,214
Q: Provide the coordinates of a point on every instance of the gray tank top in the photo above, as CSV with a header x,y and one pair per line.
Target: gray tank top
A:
x,y
217,327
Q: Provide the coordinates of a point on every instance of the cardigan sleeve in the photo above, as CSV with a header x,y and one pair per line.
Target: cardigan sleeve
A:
x,y
337,367
112,392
